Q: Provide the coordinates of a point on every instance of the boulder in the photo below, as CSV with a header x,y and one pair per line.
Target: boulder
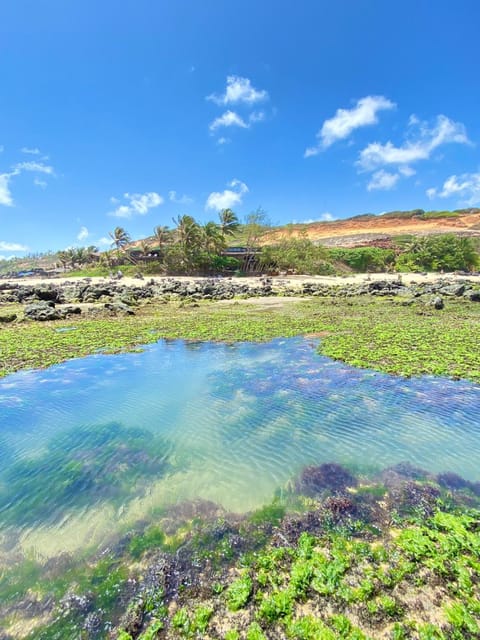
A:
x,y
436,303
119,307
472,295
42,311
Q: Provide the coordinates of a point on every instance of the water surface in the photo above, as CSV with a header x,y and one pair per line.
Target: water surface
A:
x,y
96,444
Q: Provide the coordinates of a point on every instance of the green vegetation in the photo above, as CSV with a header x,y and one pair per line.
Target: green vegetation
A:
x,y
298,254
357,580
78,468
435,253
365,259
193,248
382,334
238,593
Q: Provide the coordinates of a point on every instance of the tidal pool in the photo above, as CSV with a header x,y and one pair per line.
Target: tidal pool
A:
x,y
94,445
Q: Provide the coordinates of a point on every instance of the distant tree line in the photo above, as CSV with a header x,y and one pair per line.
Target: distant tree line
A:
x,y
193,248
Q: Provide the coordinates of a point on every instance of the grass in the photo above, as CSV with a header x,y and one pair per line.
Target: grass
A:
x,y
381,334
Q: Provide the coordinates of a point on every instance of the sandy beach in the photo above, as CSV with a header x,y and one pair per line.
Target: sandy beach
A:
x,y
290,280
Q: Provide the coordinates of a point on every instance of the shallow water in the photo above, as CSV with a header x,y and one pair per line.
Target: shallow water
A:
x,y
228,423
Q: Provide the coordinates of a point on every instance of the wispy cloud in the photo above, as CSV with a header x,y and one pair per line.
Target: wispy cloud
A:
x,y
345,121
256,116
12,246
104,242
6,197
5,194
137,204
34,151
239,90
38,182
466,187
227,199
173,197
83,234
38,167
422,141
228,119
383,180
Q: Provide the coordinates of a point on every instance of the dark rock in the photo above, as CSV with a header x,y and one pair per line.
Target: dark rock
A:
x,y
452,480
473,295
71,310
119,307
452,290
436,303
414,498
329,476
42,311
11,317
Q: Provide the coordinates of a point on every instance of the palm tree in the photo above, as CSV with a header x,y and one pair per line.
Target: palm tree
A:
x,y
187,232
162,234
213,238
120,238
188,237
228,222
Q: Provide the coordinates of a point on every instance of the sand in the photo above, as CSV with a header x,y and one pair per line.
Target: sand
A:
x,y
290,281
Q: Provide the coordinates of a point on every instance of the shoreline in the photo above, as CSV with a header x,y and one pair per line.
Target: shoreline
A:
x,y
288,280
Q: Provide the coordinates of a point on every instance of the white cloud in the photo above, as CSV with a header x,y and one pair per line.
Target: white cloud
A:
x,y
223,140
40,183
228,119
406,171
138,204
256,116
383,180
6,198
347,120
326,217
227,199
83,234
172,196
419,147
5,193
465,186
12,246
239,89
34,151
38,167
104,242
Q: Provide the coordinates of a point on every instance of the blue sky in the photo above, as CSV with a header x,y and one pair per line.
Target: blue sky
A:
x,y
131,113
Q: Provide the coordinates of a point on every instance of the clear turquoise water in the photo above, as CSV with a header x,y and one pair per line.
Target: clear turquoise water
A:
x,y
228,423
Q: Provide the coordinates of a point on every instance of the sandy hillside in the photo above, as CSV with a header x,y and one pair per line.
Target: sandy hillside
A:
x,y
363,229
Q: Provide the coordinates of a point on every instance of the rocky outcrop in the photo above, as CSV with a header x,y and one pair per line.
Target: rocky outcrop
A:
x,y
115,297
42,311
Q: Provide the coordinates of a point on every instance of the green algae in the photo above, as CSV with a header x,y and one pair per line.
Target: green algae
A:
x,y
363,331
79,467
332,582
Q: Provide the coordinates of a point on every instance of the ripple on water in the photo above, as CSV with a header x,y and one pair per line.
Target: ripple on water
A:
x,y
234,423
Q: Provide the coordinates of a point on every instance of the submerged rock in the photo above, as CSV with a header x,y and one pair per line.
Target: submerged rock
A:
x,y
326,477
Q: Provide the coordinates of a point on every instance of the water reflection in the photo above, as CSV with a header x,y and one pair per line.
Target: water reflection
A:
x,y
98,443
